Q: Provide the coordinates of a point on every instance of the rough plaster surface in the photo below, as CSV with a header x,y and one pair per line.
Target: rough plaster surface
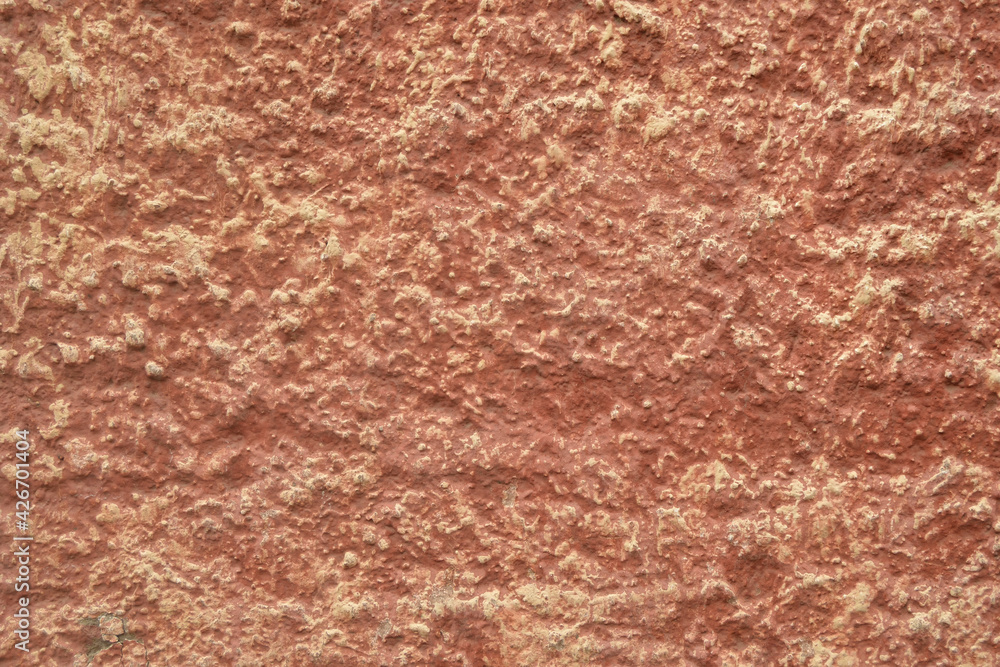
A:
x,y
511,333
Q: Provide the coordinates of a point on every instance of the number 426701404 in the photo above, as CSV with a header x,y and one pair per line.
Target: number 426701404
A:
x,y
21,475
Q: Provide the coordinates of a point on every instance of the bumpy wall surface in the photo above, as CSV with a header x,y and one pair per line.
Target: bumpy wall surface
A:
x,y
502,333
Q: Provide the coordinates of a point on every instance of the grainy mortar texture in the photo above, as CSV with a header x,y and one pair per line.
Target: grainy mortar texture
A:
x,y
502,333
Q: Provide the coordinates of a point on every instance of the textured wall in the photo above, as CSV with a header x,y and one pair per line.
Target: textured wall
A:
x,y
511,333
